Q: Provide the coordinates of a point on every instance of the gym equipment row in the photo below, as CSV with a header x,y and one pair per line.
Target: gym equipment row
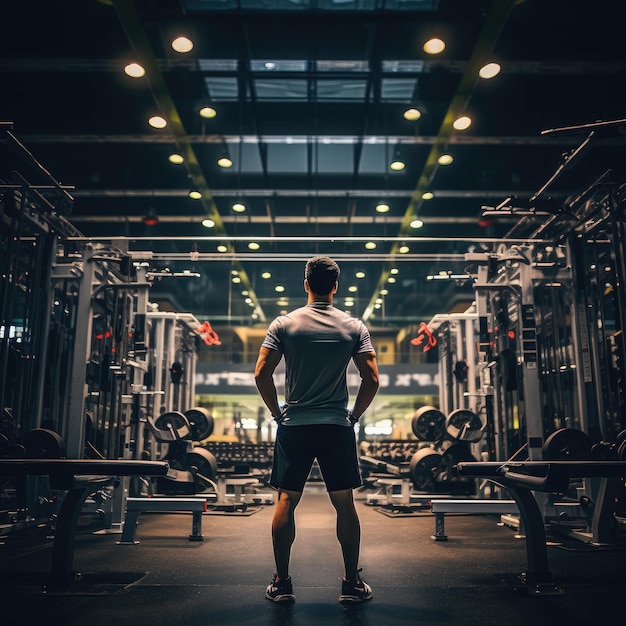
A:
x,y
540,355
233,472
404,471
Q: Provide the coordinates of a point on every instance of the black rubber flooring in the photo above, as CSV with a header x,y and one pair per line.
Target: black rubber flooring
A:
x,y
167,579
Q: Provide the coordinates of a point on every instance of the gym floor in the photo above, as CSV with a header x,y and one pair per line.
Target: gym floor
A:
x,y
167,579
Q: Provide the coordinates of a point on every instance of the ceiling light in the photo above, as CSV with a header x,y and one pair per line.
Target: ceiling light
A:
x,y
222,248
391,280
245,292
434,46
248,300
360,274
490,70
379,301
207,112
416,224
209,223
394,270
234,272
412,115
384,292
195,195
370,245
403,249
175,158
445,159
397,165
182,44
428,195
382,208
353,288
462,123
266,275
279,288
236,279
253,245
134,70
225,162
238,207
156,121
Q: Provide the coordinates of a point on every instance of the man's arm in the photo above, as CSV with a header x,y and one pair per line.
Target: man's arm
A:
x,y
265,366
368,369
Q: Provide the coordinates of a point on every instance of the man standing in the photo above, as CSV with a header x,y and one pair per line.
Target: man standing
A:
x,y
318,341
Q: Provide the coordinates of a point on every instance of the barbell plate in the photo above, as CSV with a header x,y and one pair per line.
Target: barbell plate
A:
x,y
449,476
175,424
567,444
424,468
464,425
201,423
43,443
204,466
429,424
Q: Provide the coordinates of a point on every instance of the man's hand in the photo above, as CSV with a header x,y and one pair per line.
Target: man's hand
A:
x,y
353,420
281,415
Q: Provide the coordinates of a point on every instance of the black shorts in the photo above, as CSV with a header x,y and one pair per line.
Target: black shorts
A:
x,y
297,447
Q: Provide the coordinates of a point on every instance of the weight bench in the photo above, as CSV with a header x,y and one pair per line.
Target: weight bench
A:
x,y
443,506
136,506
521,478
80,478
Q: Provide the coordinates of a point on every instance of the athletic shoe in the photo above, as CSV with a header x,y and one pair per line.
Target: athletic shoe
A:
x,y
355,592
280,591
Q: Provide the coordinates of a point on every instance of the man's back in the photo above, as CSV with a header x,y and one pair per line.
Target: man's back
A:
x,y
317,341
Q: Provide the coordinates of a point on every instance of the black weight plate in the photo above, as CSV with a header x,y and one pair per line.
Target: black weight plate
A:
x,y
449,475
429,424
464,425
203,464
567,444
424,467
201,423
43,443
603,451
173,425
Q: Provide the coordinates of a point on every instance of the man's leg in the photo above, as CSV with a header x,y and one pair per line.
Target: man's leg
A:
x,y
284,530
348,530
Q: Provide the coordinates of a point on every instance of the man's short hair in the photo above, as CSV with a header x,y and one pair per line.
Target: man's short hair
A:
x,y
322,273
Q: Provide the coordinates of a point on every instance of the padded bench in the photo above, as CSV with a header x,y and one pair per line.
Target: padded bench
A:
x,y
443,506
79,478
136,506
521,478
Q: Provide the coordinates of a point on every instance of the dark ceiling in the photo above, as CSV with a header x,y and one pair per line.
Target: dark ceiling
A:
x,y
310,96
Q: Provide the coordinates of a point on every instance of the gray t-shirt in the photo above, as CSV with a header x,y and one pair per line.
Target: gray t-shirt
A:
x,y
318,341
